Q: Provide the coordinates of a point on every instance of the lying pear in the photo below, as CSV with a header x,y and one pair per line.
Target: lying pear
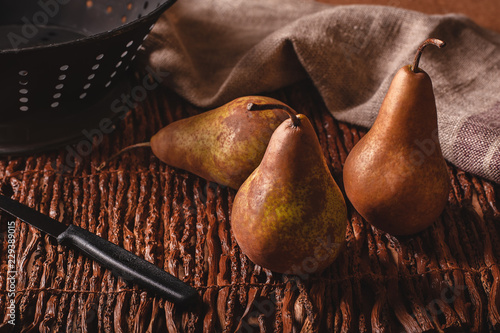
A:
x,y
223,145
396,176
290,216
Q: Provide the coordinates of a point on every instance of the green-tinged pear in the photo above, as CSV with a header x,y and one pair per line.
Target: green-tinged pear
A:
x,y
223,145
396,176
290,216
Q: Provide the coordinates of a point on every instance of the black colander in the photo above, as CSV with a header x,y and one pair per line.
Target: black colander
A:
x,y
63,62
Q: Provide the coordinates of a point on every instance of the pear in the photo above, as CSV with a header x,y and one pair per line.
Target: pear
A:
x,y
290,216
223,145
396,176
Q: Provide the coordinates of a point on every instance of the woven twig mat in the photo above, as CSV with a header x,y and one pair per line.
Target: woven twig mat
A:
x,y
443,279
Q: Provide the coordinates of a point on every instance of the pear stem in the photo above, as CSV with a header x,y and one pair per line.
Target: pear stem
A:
x,y
431,41
137,145
291,112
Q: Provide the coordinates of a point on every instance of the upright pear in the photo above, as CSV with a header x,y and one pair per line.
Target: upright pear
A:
x,y
290,216
396,176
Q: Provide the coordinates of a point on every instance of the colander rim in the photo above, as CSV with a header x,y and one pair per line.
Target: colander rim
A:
x,y
98,36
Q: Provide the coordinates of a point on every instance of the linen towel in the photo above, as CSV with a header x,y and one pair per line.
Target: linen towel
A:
x,y
217,50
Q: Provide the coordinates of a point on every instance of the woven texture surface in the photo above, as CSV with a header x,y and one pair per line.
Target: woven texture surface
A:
x,y
445,278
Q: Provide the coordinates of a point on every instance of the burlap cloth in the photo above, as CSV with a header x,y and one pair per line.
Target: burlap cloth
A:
x,y
218,50
446,278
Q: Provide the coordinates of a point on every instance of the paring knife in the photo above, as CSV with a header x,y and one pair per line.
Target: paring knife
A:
x,y
120,261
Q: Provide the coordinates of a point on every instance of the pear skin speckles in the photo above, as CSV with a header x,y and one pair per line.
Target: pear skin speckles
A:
x,y
223,145
396,176
289,215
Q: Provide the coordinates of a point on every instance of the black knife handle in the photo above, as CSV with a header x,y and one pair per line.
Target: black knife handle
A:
x,y
128,266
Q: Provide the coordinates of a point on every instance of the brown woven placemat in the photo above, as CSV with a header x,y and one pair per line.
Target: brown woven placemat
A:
x,y
443,279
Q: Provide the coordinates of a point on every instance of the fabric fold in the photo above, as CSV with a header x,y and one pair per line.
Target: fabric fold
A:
x,y
217,50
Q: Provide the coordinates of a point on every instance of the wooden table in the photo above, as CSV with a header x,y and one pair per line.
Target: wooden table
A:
x,y
443,279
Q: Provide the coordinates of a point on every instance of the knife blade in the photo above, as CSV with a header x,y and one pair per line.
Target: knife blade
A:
x,y
121,262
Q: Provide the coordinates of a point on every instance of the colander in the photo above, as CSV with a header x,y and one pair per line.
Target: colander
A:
x,y
62,62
